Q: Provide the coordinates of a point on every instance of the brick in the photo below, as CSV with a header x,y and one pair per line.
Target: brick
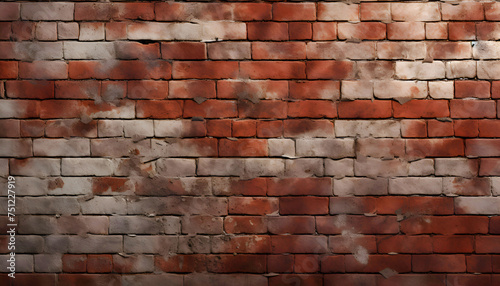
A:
x,y
269,129
362,31
477,89
352,90
312,109
436,31
280,263
291,225
221,279
281,147
298,244
472,109
74,263
364,109
487,70
376,263
413,128
407,186
380,148
343,279
460,167
400,89
67,31
252,89
466,128
77,89
448,50
341,50
406,31
183,51
481,147
242,148
47,11
210,109
159,109
87,166
70,128
43,70
435,147
438,128
191,89
244,128
46,31
330,70
278,51
489,167
367,128
488,31
308,128
418,70
23,31
463,11
294,11
414,12
10,11
363,244
202,225
179,128
439,263
267,31
241,244
119,70
5,31
16,148
273,70
304,167
338,12
405,244
229,51
267,109
375,12
204,70
253,206
424,167
359,186
300,31
422,109
245,224
339,168
476,205
131,50
478,263
220,167
462,31
441,89
324,31
486,50
331,148
116,31
401,50
372,167
61,147
190,11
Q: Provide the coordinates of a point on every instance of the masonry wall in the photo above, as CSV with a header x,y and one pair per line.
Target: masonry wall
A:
x,y
245,143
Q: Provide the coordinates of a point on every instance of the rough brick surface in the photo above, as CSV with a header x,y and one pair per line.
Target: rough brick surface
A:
x,y
267,143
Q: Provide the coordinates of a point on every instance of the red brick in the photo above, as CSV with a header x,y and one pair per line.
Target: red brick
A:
x,y
26,279
317,89
414,128
241,244
292,279
413,280
304,205
294,11
361,224
469,88
435,147
439,263
43,70
102,185
116,31
448,50
350,279
159,109
273,70
267,31
245,224
479,263
280,263
495,225
333,264
181,263
74,263
229,263
252,90
324,31
330,70
453,244
446,225
210,109
307,263
308,127
120,70
253,206
466,128
495,89
102,263
77,89
23,31
204,70
9,69
146,89
10,11
466,11
10,128
268,109
438,128
219,128
404,244
487,244
376,263
269,129
30,89
362,31
405,31
299,186
243,148
5,30
421,109
291,225
489,128
298,244
191,89
252,11
472,108
492,11
365,109
278,51
300,31
415,205
470,279
70,128
312,109
488,31
244,128
489,167
32,128
183,51
462,31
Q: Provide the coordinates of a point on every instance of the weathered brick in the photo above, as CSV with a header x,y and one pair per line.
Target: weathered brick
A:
x,y
359,187
415,12
330,148
47,11
338,12
366,128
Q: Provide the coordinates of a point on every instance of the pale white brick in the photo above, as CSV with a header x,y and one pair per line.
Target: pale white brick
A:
x,y
134,225
181,148
460,69
171,224
48,205
441,89
91,31
61,147
80,225
24,263
220,167
120,147
495,186
139,128
420,70
401,50
264,167
150,244
360,187
423,167
176,167
96,244
415,186
486,50
341,50
304,167
104,205
48,262
4,167
47,11
89,50
338,12
110,128
488,69
46,31
87,167
15,148
400,89
330,148
362,89
373,167
339,168
460,167
415,12
281,147
477,205
68,31
31,51
203,31
31,186
367,128
218,30
459,186
37,224
36,167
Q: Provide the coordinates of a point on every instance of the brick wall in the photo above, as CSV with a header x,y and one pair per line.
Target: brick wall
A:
x,y
245,143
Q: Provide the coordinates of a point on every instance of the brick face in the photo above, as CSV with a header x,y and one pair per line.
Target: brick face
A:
x,y
244,143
